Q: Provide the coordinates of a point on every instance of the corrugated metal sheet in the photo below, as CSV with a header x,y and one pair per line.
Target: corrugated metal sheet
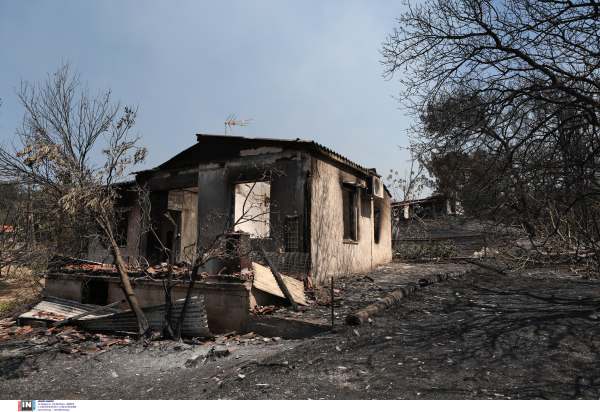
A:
x,y
195,323
68,308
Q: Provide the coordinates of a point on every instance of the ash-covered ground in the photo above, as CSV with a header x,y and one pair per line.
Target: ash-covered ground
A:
x,y
526,335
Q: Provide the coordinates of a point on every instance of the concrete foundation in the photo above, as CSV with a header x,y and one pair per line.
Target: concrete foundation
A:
x,y
228,304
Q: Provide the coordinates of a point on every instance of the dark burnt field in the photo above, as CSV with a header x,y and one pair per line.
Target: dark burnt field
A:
x,y
528,335
482,336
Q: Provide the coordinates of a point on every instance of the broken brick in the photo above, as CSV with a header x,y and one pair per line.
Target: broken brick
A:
x,y
68,350
108,343
87,349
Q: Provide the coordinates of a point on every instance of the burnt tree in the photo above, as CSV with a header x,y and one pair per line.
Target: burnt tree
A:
x,y
56,151
512,90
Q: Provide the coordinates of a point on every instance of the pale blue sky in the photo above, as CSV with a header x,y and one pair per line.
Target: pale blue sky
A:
x,y
299,69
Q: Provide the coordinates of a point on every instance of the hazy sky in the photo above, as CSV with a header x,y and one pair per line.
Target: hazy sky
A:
x,y
299,69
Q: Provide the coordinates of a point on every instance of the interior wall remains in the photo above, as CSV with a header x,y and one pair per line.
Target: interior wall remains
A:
x,y
189,222
285,172
131,250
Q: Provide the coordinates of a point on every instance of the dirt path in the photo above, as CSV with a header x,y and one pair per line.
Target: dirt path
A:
x,y
482,336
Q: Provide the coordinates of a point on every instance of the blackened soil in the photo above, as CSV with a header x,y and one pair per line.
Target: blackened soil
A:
x,y
481,336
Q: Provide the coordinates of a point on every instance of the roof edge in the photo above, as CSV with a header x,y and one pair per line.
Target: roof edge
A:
x,y
311,143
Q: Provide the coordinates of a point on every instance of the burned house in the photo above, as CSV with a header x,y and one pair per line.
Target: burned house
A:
x,y
294,196
301,202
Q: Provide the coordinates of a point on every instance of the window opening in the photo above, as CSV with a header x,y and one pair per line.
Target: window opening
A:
x,y
376,221
290,238
95,292
167,234
252,208
350,212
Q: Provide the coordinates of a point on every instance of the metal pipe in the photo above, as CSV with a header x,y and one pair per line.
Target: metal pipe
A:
x,y
332,312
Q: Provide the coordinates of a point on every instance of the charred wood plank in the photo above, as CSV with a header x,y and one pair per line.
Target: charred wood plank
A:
x,y
280,282
440,277
362,315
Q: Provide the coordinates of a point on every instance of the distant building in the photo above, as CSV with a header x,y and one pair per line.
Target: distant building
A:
x,y
427,208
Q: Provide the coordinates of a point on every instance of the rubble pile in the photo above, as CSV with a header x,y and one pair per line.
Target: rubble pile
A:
x,y
321,296
233,339
160,271
73,341
137,271
48,315
315,297
326,300
86,269
264,310
9,329
69,339
244,275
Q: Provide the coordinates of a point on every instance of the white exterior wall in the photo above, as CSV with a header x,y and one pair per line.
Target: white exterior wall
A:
x,y
330,254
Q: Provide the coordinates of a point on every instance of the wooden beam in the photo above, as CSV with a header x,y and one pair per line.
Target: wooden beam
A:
x,y
280,282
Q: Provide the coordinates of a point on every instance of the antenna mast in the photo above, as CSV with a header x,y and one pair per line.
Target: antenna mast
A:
x,y
230,121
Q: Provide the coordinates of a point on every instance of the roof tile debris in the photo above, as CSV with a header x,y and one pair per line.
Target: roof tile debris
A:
x,y
74,341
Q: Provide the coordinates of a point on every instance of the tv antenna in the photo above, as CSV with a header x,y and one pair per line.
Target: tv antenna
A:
x,y
230,121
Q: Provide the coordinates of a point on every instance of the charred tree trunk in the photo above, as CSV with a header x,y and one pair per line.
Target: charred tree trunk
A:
x,y
168,329
143,327
188,296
